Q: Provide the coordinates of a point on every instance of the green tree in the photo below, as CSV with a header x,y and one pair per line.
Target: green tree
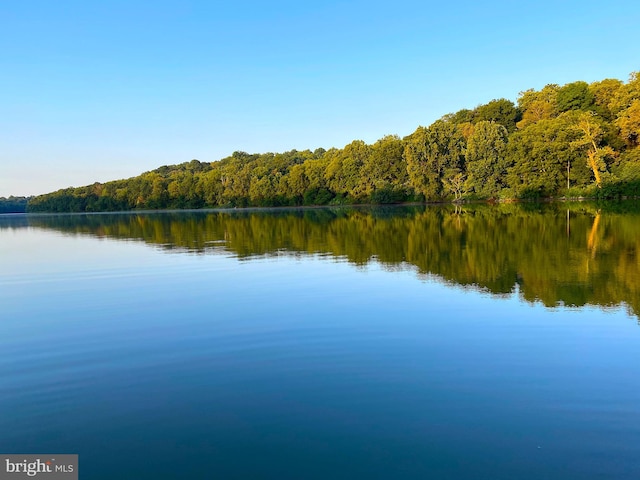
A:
x,y
318,192
604,94
461,116
536,106
628,122
261,189
212,188
296,183
539,156
575,96
625,95
384,172
501,111
434,156
486,159
590,134
344,170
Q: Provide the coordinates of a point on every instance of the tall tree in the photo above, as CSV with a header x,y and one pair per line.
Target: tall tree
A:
x,y
501,111
575,96
343,170
628,122
486,159
539,155
625,96
590,133
536,106
604,94
434,155
385,170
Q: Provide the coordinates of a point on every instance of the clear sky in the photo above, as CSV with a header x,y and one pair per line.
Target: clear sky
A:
x,y
101,90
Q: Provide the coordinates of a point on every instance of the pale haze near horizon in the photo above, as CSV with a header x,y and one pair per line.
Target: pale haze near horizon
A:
x,y
94,92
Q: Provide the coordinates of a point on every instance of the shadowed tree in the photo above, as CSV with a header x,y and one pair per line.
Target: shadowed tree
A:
x,y
486,159
575,96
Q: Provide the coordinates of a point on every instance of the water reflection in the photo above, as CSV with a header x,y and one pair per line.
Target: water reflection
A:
x,y
557,254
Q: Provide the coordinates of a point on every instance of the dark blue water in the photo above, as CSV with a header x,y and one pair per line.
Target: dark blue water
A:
x,y
153,364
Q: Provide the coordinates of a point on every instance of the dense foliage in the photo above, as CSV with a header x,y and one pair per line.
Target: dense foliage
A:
x,y
13,204
574,140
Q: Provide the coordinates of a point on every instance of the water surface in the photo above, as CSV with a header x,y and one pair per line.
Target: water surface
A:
x,y
350,343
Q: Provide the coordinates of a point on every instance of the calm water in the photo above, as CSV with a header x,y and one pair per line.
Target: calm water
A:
x,y
497,343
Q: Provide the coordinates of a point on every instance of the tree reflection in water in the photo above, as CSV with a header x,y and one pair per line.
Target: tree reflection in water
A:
x,y
558,254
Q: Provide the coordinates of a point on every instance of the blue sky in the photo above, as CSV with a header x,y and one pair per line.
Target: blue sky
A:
x,y
101,90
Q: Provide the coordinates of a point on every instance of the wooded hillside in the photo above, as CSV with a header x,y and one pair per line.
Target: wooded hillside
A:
x,y
574,140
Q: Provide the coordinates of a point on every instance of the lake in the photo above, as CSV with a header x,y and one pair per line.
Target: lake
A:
x,y
402,342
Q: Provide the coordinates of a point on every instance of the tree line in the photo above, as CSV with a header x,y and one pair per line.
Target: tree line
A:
x,y
13,204
575,140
